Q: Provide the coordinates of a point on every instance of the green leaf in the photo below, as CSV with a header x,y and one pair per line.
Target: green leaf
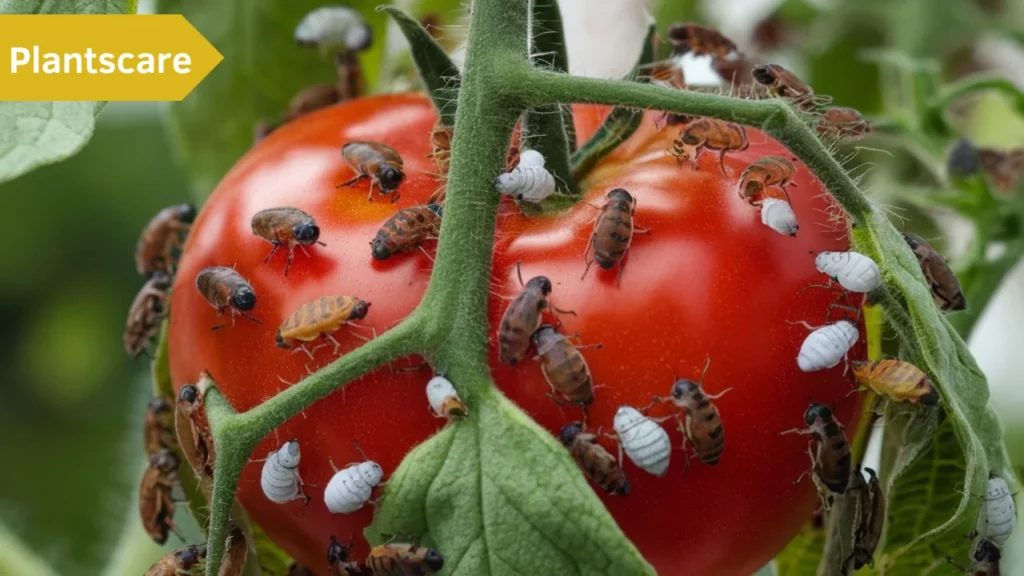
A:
x,y
439,74
801,556
501,496
263,69
34,134
620,124
17,558
935,461
272,560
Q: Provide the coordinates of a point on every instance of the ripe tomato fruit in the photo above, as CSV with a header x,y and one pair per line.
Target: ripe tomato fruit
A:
x,y
710,281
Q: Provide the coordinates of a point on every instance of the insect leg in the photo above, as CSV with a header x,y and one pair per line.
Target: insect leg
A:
x,y
302,348
244,315
291,254
588,257
348,183
800,431
425,253
333,342
719,395
272,251
721,161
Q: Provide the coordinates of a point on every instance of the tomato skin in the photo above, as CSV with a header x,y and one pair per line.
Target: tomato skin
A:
x,y
709,281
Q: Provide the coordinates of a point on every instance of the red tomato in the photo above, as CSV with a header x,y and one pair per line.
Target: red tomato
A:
x,y
709,281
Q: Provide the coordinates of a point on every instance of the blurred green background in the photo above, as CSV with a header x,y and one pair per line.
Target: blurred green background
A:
x,y
71,414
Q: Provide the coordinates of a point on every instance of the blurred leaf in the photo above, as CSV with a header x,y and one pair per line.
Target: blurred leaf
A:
x,y
504,513
840,72
263,69
34,134
272,560
17,558
436,69
923,470
803,554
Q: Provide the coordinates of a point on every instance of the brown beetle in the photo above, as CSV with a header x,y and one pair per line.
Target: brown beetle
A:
x,y
180,562
613,233
563,366
337,560
146,314
1005,168
407,229
194,432
225,289
831,461
702,426
319,318
156,507
159,428
289,227
872,520
380,163
842,122
710,134
162,235
523,317
765,173
946,290
596,462
404,559
700,41
781,83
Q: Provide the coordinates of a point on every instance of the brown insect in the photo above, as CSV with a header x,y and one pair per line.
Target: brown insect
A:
x,y
441,139
985,558
225,289
842,122
236,554
319,318
710,134
764,173
872,520
407,229
161,236
669,73
155,504
337,559
311,99
159,430
702,427
1005,168
145,314
193,431
178,563
288,227
700,41
380,163
563,366
831,461
613,233
781,83
897,380
523,317
403,559
596,462
946,290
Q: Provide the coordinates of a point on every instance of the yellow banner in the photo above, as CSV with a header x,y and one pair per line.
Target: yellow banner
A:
x,y
101,57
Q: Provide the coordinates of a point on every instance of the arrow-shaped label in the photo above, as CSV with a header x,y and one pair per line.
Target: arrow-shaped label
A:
x,y
101,57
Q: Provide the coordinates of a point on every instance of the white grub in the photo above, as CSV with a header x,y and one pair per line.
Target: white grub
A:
x,y
279,478
998,516
852,270
643,440
351,487
334,27
529,181
778,215
444,399
826,346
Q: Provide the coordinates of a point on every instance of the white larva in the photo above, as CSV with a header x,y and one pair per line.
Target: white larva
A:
x,y
529,181
826,346
643,440
441,395
280,476
998,516
853,270
778,215
334,27
351,487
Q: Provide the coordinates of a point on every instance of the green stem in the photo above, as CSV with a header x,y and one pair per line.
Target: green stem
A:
x,y
972,84
774,117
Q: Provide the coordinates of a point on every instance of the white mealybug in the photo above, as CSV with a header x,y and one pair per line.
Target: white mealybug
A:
x,y
280,476
444,400
352,486
826,346
853,270
778,215
529,181
334,27
644,440
998,515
